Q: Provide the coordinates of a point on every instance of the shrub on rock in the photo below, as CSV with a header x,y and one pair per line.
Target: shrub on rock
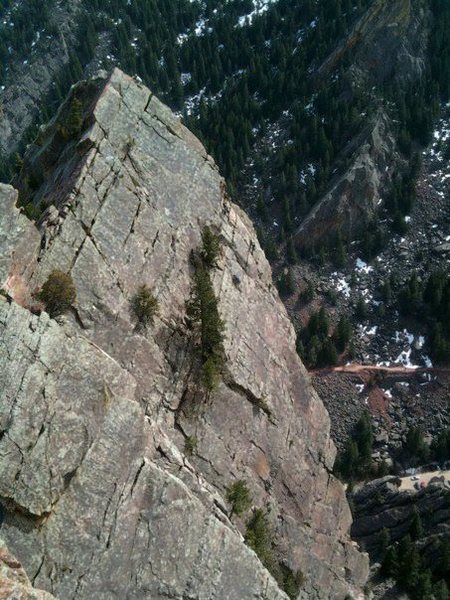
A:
x,y
58,293
238,495
144,306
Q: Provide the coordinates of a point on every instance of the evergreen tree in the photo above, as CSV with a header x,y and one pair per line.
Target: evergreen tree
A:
x,y
286,285
74,120
364,436
291,252
408,564
441,591
327,355
415,444
143,307
343,333
384,541
238,495
423,590
210,247
443,566
416,527
259,538
340,254
390,564
203,312
361,310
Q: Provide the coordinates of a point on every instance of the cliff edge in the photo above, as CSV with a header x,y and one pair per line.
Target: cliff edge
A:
x,y
100,498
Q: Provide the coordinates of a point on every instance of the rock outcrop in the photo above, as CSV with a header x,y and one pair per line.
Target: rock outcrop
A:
x,y
354,197
29,82
388,45
389,42
100,499
382,505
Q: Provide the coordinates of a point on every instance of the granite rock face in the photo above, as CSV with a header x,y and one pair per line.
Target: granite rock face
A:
x,y
14,583
100,499
19,243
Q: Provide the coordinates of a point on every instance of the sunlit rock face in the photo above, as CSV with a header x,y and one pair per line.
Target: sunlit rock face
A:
x,y
100,499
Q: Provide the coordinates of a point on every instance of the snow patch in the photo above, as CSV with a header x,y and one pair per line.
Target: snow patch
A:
x,y
259,7
362,267
404,358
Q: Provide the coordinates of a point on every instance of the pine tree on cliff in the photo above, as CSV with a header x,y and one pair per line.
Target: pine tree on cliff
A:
x,y
408,564
203,309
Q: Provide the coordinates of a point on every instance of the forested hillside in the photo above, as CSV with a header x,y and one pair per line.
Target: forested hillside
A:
x,y
237,67
330,122
284,94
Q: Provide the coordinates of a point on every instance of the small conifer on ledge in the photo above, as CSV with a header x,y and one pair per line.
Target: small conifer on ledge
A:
x,y
144,307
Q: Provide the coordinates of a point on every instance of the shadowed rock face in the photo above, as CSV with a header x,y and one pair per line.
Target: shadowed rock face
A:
x,y
389,41
28,82
100,500
353,198
389,44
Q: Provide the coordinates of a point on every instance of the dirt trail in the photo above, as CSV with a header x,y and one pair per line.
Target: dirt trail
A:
x,y
367,369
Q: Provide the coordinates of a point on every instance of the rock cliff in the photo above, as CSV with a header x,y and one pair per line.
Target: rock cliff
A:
x,y
352,201
389,43
29,83
389,47
99,497
382,505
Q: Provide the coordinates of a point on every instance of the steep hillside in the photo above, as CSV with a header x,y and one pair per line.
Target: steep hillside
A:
x,y
313,111
117,451
36,42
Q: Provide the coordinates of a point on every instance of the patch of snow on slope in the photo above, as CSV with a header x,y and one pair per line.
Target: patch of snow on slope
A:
x,y
363,267
404,358
259,7
341,285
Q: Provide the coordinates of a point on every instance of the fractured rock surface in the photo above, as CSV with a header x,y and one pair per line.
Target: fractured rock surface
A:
x,y
100,500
